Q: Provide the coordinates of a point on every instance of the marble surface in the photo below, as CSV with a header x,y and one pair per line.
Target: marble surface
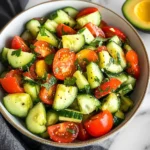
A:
x,y
135,136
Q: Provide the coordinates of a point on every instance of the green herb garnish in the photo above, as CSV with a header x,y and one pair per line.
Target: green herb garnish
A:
x,y
50,83
42,31
32,46
17,52
70,81
49,59
71,131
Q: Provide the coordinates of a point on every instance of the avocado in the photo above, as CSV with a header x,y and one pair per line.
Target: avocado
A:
x,y
137,12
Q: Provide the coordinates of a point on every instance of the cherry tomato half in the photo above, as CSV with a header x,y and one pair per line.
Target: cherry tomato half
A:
x,y
63,29
42,48
96,31
11,82
64,63
64,132
17,42
99,124
103,24
101,48
83,134
112,31
86,55
86,11
107,87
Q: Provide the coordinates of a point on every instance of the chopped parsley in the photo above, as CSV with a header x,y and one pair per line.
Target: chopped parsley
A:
x,y
96,79
98,41
49,59
77,65
42,31
87,89
71,131
70,81
50,83
16,52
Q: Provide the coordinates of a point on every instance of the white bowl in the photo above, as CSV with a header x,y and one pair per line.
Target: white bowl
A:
x,y
16,26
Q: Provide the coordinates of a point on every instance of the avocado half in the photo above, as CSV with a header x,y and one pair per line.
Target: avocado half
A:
x,y
137,12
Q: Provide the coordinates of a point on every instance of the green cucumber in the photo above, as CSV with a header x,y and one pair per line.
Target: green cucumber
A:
x,y
50,25
118,118
87,35
81,81
21,61
64,96
47,36
106,62
94,17
111,103
117,53
87,103
116,40
33,90
130,80
73,42
94,75
18,104
26,35
51,117
71,11
33,26
3,54
70,115
61,16
36,119
123,90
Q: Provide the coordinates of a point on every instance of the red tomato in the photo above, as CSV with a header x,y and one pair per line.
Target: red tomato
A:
x,y
86,55
63,29
64,63
103,24
107,87
64,132
17,42
132,61
86,11
32,71
11,82
99,124
42,48
83,134
101,48
96,31
112,31
47,96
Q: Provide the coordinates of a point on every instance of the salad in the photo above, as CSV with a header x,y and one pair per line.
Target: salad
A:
x,y
69,75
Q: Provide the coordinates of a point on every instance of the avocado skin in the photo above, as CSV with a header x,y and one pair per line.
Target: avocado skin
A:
x,y
138,25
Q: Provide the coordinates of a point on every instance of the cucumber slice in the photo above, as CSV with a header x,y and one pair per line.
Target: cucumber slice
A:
x,y
33,26
70,115
106,63
111,103
87,35
118,118
81,81
51,117
123,90
117,53
64,96
22,61
26,35
122,77
61,16
126,104
89,47
130,80
94,17
33,90
45,35
36,119
3,54
44,135
94,75
116,40
18,104
87,103
74,105
50,25
73,42
71,11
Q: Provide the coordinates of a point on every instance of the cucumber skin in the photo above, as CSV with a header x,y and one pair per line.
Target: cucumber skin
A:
x,y
13,103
